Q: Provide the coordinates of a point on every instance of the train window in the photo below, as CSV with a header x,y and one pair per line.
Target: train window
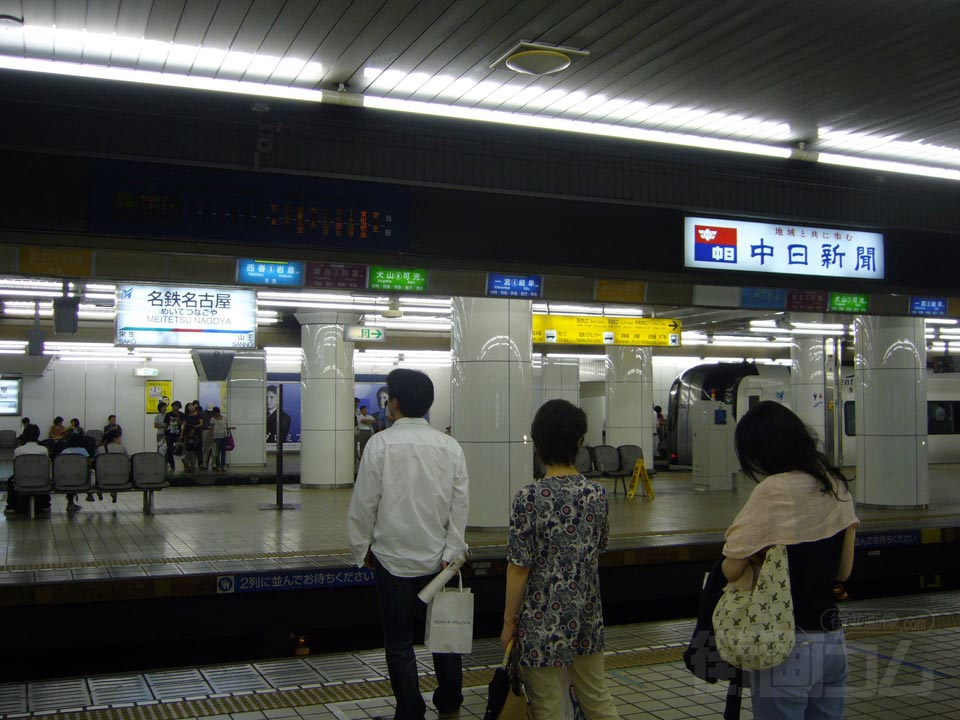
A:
x,y
850,418
752,401
942,417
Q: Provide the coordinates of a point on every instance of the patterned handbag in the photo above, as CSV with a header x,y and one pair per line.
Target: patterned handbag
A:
x,y
755,628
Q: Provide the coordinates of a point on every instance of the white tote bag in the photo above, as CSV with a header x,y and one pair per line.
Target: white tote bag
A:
x,y
449,627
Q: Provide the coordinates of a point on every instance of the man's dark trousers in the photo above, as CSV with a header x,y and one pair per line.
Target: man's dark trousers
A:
x,y
401,610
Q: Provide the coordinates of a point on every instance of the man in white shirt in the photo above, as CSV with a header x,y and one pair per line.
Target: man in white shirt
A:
x,y
407,521
15,501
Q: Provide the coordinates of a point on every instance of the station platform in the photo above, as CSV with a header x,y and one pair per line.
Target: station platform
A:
x,y
209,557
904,653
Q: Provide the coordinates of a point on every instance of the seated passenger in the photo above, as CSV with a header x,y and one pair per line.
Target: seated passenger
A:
x,y
75,446
17,503
57,430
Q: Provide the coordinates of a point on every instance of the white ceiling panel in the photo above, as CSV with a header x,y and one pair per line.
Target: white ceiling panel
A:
x,y
731,68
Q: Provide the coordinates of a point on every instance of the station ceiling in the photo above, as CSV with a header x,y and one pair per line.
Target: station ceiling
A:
x,y
868,78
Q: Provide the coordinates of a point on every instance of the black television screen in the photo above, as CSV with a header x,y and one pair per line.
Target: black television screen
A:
x,y
10,396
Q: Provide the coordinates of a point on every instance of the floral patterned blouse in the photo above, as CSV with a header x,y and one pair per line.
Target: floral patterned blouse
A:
x,y
558,528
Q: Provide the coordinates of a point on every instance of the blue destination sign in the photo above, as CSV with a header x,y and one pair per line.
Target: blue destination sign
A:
x,y
516,286
292,580
928,306
757,298
897,538
275,273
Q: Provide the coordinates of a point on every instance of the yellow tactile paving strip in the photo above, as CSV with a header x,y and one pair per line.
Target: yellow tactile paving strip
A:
x,y
352,691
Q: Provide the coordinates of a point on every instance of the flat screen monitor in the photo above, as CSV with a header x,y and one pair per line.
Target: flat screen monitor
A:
x,y
10,396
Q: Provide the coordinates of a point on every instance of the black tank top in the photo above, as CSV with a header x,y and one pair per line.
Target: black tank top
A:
x,y
813,572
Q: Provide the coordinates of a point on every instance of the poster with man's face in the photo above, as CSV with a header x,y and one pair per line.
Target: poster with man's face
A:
x,y
283,422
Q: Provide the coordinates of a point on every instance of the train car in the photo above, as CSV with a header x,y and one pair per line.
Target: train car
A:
x,y
741,385
943,418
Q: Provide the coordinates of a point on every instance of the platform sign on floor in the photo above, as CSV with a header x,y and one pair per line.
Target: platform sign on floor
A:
x,y
848,302
514,286
597,330
285,580
272,273
186,316
394,279
726,244
928,306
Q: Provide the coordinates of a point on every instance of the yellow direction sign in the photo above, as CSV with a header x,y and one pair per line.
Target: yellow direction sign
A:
x,y
595,330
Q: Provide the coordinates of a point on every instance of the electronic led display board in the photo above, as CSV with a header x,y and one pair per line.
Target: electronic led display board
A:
x,y
186,316
514,286
848,303
271,273
737,245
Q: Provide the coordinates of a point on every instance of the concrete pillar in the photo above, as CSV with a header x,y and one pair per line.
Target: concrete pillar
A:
x,y
807,374
327,384
890,390
630,416
491,398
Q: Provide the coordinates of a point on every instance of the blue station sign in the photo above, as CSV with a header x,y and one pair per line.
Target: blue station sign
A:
x,y
272,273
514,286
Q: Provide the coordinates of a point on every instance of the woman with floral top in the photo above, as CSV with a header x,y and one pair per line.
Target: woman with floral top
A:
x,y
558,528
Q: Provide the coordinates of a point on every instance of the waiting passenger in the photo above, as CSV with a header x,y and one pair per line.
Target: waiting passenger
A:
x,y
75,446
190,437
57,430
552,608
158,424
111,424
801,501
221,433
172,423
112,444
24,423
17,503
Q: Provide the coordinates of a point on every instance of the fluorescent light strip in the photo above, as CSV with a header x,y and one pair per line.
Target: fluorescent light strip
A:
x,y
150,77
888,166
940,321
577,126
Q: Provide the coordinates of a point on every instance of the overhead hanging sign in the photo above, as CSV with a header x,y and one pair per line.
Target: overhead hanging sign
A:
x,y
273,273
928,306
186,316
596,330
397,279
342,276
848,302
737,245
514,286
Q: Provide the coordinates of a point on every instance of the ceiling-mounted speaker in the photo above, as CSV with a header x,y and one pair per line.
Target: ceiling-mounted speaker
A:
x,y
535,58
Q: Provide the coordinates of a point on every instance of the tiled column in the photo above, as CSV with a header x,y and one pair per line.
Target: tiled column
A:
x,y
246,399
491,397
808,378
630,399
560,380
327,383
890,390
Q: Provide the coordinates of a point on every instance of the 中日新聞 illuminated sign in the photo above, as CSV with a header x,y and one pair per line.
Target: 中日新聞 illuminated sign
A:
x,y
186,316
714,244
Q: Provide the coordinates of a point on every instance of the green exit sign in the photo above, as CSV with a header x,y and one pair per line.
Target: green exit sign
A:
x,y
397,279
364,333
848,303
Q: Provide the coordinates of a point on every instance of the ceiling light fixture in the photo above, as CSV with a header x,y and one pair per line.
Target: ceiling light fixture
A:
x,y
535,58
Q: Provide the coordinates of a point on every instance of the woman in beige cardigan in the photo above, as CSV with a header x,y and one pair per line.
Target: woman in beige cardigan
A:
x,y
801,501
